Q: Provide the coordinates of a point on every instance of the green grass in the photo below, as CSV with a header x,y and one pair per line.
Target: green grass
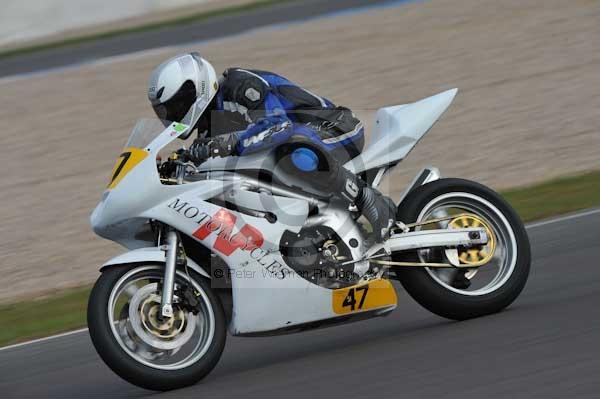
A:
x,y
66,310
196,17
556,197
59,312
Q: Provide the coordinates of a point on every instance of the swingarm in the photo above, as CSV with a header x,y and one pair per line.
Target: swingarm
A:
x,y
450,240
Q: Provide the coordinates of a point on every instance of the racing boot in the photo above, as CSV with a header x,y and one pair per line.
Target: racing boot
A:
x,y
377,208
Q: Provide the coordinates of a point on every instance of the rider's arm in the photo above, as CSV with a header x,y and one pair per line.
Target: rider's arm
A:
x,y
265,132
270,124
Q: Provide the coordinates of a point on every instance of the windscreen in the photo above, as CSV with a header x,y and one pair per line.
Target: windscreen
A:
x,y
145,131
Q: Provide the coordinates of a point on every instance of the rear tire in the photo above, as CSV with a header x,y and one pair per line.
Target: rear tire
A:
x,y
122,362
443,299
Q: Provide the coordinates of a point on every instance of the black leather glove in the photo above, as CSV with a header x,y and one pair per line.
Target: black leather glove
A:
x,y
223,145
199,151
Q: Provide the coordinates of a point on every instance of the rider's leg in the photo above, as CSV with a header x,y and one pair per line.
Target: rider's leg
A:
x,y
310,162
377,208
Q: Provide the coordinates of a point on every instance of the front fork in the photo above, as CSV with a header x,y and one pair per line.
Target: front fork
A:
x,y
172,245
171,249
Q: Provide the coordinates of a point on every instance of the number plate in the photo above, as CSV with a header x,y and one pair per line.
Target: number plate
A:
x,y
127,161
373,294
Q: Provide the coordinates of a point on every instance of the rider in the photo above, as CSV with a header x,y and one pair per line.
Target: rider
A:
x,y
245,111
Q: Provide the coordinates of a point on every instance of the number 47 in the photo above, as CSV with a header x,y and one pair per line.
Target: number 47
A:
x,y
350,299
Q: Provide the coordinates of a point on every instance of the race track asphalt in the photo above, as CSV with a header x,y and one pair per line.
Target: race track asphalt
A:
x,y
546,345
216,27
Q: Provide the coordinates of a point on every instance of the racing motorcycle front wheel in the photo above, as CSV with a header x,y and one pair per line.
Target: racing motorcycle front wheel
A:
x,y
142,347
491,276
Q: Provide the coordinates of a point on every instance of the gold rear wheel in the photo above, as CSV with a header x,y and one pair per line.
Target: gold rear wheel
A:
x,y
478,255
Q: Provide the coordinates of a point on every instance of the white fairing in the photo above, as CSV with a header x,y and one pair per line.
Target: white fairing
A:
x,y
149,255
398,129
267,293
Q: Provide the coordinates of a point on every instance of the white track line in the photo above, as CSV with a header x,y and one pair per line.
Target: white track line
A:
x,y
563,218
35,341
529,226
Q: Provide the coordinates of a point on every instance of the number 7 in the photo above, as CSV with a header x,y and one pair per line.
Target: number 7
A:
x,y
125,157
365,289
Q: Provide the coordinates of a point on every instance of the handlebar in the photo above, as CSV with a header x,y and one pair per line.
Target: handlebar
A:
x,y
188,164
177,165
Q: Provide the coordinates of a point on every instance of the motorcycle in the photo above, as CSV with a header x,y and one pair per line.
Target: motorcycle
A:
x,y
219,247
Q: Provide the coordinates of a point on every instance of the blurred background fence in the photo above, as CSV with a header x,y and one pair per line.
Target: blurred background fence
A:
x,y
35,20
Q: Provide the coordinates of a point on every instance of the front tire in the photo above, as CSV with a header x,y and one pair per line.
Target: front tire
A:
x,y
143,349
452,293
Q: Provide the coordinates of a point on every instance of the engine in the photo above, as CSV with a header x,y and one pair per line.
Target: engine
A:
x,y
317,254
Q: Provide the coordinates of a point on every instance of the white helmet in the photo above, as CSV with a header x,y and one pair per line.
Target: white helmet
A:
x,y
181,88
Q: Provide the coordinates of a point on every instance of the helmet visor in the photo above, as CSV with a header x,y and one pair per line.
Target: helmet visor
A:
x,y
177,107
